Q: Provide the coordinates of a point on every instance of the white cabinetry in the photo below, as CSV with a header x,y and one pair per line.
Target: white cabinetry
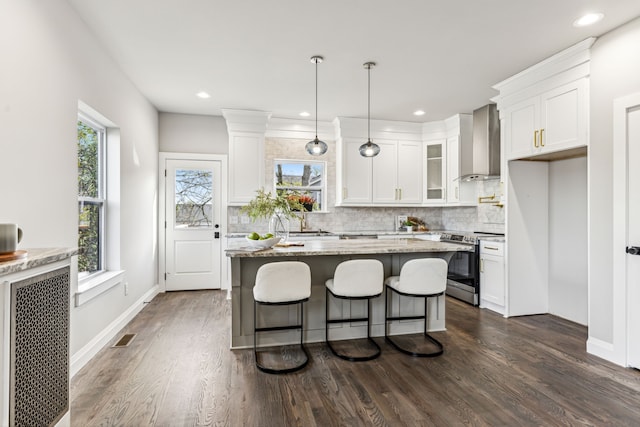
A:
x,y
492,294
356,175
453,169
392,178
435,171
553,121
246,153
445,160
397,173
544,116
34,367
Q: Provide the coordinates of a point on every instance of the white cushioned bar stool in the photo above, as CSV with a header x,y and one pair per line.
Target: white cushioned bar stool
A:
x,y
358,279
420,278
281,283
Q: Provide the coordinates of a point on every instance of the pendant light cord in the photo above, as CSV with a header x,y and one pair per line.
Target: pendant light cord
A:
x,y
369,103
316,61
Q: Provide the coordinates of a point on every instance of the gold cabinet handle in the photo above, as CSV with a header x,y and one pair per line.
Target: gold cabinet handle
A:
x,y
457,193
399,193
541,140
481,265
535,138
344,192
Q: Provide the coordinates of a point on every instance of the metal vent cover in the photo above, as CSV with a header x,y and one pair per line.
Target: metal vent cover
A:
x,y
124,341
39,356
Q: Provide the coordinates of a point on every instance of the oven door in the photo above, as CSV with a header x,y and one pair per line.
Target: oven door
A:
x,y
463,276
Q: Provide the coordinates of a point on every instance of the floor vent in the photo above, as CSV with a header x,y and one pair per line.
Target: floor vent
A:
x,y
125,340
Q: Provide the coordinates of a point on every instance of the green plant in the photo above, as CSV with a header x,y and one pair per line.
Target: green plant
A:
x,y
264,205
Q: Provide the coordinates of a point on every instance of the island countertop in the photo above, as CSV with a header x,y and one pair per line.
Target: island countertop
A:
x,y
241,249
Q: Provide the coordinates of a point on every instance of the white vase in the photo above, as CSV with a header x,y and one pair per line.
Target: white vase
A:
x,y
279,226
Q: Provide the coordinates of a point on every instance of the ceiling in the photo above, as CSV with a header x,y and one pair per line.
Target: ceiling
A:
x,y
438,56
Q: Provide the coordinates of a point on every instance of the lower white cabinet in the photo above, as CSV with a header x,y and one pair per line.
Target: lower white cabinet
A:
x,y
492,283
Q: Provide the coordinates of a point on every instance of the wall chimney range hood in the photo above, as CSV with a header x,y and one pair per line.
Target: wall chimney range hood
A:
x,y
486,145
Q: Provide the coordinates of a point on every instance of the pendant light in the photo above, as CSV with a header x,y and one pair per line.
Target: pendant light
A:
x,y
316,147
369,148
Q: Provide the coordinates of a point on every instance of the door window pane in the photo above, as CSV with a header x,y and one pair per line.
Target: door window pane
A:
x,y
194,196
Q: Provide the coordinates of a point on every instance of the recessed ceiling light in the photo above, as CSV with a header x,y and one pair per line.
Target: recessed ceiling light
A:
x,y
588,19
203,95
305,114
418,113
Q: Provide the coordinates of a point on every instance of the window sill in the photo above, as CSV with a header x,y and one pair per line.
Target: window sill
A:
x,y
94,286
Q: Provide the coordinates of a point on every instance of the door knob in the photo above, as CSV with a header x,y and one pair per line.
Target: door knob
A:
x,y
633,250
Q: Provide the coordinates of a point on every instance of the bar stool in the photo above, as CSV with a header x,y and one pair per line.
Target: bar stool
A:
x,y
357,279
420,278
281,283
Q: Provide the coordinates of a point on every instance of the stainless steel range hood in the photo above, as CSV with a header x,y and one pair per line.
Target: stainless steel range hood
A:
x,y
486,145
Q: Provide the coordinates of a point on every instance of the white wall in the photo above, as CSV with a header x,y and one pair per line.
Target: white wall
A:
x,y
615,71
568,283
50,61
189,133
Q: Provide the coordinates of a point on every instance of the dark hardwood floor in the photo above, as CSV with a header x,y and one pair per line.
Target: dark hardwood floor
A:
x,y
179,371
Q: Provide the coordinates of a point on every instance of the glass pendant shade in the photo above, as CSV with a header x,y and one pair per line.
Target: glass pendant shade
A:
x,y
316,147
369,149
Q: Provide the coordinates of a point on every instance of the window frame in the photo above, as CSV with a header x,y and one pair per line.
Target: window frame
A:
x,y
101,200
322,188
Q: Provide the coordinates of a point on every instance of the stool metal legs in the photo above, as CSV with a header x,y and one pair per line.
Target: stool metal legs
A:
x,y
387,337
368,320
279,328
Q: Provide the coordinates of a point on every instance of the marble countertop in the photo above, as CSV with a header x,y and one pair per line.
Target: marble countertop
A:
x,y
347,247
35,258
346,233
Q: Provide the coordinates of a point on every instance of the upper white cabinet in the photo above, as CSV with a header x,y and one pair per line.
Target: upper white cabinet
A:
x,y
544,110
446,158
356,174
553,121
397,173
246,153
392,178
435,171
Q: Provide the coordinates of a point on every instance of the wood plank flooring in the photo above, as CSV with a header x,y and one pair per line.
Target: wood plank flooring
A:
x,y
179,371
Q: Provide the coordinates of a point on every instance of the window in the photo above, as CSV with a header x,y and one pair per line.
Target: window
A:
x,y
302,178
91,197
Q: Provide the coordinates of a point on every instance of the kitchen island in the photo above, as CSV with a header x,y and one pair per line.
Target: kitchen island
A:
x,y
323,256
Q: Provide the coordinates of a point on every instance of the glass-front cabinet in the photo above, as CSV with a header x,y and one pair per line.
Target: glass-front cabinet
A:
x,y
435,171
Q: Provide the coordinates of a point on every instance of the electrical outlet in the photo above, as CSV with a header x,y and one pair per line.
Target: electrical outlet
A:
x,y
400,219
233,219
126,288
245,219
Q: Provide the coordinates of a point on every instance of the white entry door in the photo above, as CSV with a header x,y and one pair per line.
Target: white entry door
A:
x,y
633,237
627,218
193,216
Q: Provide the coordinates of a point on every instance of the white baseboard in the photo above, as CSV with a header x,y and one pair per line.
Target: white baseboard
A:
x,y
86,353
604,350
